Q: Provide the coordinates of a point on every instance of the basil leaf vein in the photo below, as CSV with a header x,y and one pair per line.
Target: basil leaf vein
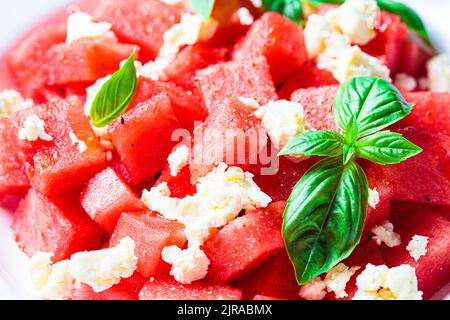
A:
x,y
315,143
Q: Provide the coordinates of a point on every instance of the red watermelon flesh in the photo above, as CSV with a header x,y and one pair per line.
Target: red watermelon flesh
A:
x,y
279,40
308,76
127,289
151,235
59,226
231,134
275,278
141,22
414,59
85,60
180,186
430,112
318,106
169,289
106,196
261,297
142,137
28,61
249,79
432,269
58,166
244,244
188,107
13,178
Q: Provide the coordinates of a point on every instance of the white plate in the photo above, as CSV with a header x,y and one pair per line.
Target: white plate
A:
x,y
18,15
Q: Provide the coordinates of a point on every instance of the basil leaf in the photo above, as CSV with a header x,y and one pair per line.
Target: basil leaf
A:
x,y
349,153
315,143
386,147
203,8
408,16
113,98
318,3
375,103
324,217
292,9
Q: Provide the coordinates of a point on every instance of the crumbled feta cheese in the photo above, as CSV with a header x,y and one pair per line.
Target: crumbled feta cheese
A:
x,y
417,247
34,129
188,265
80,26
405,82
249,102
173,2
355,19
12,101
221,196
313,290
347,62
439,73
155,69
257,3
51,282
338,277
178,160
158,200
382,283
316,33
92,92
245,17
283,121
82,147
102,269
384,233
374,198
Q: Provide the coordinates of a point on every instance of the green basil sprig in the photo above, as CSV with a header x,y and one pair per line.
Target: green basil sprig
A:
x,y
202,7
115,95
326,212
293,9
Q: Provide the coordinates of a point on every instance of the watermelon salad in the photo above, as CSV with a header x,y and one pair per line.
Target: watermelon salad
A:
x,y
223,149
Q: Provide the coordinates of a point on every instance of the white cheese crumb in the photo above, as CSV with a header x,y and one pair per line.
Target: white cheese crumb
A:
x,y
12,101
51,282
80,26
34,129
313,290
245,17
173,2
382,283
417,247
317,31
178,160
439,73
102,269
384,233
283,121
374,198
188,265
338,277
356,19
158,200
405,82
81,145
257,3
249,102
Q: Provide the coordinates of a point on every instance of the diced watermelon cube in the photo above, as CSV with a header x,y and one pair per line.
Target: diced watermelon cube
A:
x,y
245,243
318,105
85,60
275,278
308,76
188,107
180,186
261,297
231,134
430,112
432,269
59,226
57,166
169,289
142,22
414,59
127,289
279,40
151,235
29,59
106,196
249,79
13,178
142,137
